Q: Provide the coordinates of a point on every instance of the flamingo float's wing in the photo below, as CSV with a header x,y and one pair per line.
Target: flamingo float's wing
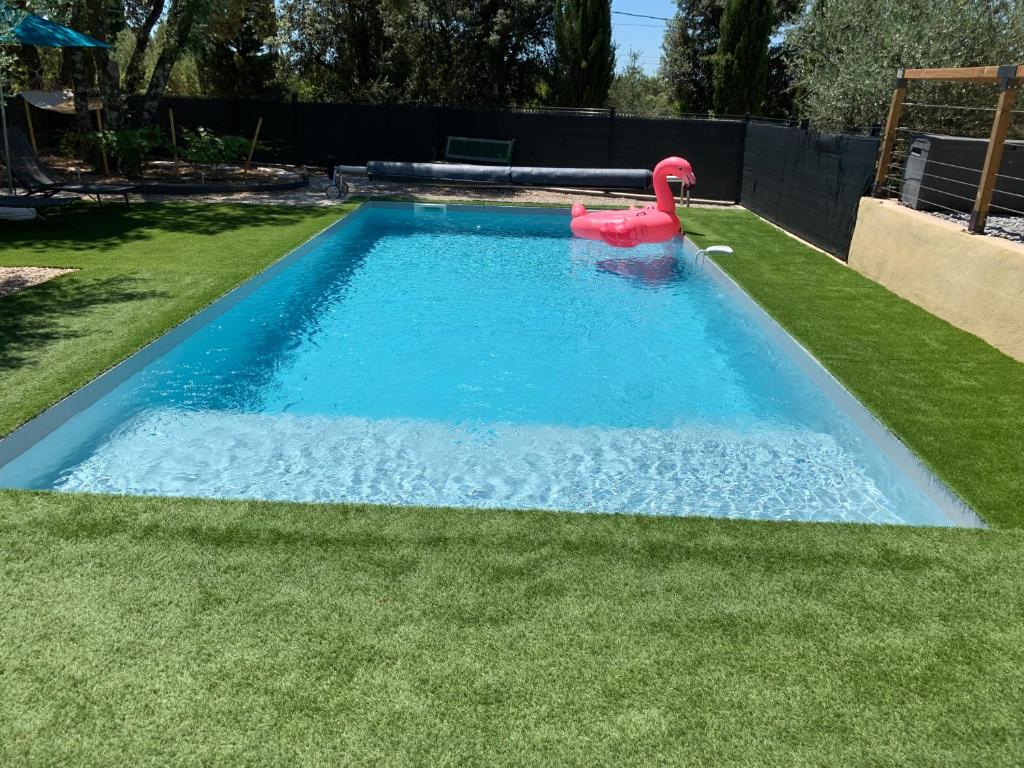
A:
x,y
623,234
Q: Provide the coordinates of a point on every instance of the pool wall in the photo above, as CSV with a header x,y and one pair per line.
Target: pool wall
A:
x,y
955,509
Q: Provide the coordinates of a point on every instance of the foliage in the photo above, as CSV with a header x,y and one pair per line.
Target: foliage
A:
x,y
9,18
780,88
343,50
130,147
846,53
584,53
691,43
483,52
741,61
423,51
634,92
238,58
688,48
205,147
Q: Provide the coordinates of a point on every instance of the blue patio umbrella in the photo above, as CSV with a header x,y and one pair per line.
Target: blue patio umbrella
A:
x,y
29,29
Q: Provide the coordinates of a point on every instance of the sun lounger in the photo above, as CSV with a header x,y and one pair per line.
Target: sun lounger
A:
x,y
30,173
40,204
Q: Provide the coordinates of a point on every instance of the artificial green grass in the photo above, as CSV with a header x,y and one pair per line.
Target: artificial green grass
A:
x,y
176,632
142,271
154,631
955,400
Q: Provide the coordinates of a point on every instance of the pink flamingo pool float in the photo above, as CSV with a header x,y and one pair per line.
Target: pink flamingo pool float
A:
x,y
650,224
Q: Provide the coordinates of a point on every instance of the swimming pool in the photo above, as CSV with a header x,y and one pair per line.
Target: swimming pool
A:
x,y
420,354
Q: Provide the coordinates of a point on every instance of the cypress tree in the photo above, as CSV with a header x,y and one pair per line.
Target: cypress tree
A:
x,y
741,63
584,55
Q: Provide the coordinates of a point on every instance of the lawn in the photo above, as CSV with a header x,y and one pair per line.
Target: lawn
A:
x,y
155,631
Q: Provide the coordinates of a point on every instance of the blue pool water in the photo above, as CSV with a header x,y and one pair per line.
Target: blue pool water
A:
x,y
486,359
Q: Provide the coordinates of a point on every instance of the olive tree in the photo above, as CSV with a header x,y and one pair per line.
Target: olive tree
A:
x,y
845,54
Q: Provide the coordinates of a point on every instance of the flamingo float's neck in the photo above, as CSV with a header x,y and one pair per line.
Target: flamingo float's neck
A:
x,y
666,201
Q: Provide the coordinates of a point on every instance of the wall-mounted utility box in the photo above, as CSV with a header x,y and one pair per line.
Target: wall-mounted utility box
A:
x,y
942,172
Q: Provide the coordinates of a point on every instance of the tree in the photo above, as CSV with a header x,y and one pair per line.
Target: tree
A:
x,y
9,18
846,52
741,61
691,43
634,92
584,54
107,17
688,48
780,91
484,52
238,58
341,50
141,17
480,52
185,22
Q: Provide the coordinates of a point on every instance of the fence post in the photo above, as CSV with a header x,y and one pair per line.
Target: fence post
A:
x,y
994,155
899,92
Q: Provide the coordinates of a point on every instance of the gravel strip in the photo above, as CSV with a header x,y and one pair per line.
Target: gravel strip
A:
x,y
15,278
1006,227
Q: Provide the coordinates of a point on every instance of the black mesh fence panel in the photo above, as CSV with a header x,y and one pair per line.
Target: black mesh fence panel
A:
x,y
352,134
808,183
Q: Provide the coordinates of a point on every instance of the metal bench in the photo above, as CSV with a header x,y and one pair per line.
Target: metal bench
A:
x,y
497,151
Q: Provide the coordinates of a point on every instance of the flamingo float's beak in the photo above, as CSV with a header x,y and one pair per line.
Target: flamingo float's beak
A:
x,y
685,172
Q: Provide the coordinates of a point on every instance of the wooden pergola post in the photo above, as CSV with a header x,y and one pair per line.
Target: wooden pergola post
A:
x,y
899,93
997,139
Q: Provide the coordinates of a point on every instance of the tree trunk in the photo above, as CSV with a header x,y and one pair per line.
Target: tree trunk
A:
x,y
80,88
104,19
133,72
110,87
181,19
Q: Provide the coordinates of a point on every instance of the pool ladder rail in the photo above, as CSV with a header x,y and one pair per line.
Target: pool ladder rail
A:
x,y
700,255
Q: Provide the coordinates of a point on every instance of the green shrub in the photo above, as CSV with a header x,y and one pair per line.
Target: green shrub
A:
x,y
206,147
131,147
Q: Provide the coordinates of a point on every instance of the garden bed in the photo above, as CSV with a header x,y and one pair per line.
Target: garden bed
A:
x,y
165,177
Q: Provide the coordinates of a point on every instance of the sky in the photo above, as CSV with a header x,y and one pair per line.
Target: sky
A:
x,y
643,35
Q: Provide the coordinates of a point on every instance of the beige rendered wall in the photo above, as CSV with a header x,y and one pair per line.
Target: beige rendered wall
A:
x,y
973,281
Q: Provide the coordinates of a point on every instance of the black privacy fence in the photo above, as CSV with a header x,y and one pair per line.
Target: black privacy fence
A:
x,y
806,182
353,134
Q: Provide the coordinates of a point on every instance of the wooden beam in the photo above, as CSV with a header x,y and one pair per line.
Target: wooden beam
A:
x,y
31,128
960,74
994,156
174,137
252,147
899,93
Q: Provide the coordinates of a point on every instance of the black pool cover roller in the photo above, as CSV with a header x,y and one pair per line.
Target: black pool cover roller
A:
x,y
600,178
